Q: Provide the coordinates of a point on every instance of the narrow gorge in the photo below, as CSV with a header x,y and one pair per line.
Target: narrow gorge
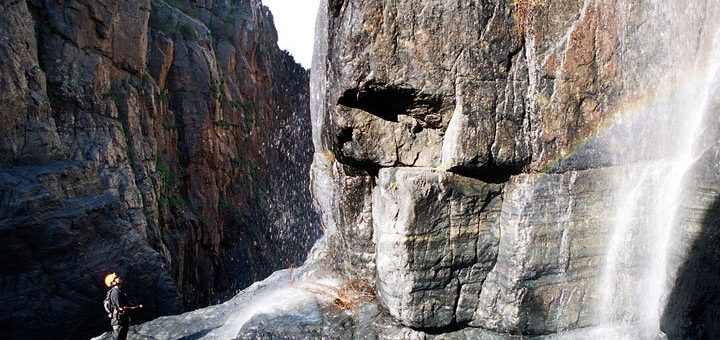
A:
x,y
475,169
168,141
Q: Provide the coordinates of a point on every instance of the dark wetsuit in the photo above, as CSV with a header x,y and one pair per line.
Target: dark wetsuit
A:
x,y
120,321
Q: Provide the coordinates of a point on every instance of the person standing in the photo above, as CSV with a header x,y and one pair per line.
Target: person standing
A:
x,y
116,304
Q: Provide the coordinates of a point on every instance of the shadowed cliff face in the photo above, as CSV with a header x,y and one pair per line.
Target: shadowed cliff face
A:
x,y
165,140
693,302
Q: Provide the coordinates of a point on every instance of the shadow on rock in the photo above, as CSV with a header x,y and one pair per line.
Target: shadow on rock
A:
x,y
693,308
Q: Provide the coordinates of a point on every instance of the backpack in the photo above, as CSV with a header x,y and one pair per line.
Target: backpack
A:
x,y
107,304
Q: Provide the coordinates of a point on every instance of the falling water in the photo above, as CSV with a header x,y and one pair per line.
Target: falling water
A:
x,y
318,83
300,300
671,54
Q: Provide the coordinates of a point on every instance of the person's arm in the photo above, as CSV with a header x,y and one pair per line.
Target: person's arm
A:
x,y
125,304
123,300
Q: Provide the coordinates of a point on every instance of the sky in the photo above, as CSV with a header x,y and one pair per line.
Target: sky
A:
x,y
295,24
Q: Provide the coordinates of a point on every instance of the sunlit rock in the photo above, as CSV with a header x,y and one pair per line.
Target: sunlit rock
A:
x,y
436,239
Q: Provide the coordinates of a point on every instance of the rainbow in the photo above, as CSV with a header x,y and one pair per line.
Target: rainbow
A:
x,y
627,107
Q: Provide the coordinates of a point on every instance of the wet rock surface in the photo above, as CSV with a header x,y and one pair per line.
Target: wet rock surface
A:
x,y
164,140
300,304
459,113
291,304
694,302
436,240
552,237
483,132
344,197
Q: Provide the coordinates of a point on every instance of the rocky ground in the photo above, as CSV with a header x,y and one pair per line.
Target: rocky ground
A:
x,y
308,303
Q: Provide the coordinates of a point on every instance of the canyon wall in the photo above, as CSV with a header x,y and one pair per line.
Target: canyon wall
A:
x,y
168,141
467,166
466,159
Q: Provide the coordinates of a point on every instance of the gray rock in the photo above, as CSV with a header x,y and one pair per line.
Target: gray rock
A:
x,y
550,255
451,250
344,196
449,103
436,240
470,87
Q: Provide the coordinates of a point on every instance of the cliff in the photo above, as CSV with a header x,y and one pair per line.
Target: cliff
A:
x,y
478,162
470,179
502,170
166,140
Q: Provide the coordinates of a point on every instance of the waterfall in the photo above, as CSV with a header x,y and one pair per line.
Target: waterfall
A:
x,y
318,83
671,56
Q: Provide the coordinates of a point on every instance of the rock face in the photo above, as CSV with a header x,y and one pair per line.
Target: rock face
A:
x,y
466,167
474,87
694,302
551,247
478,165
438,238
450,115
165,140
467,155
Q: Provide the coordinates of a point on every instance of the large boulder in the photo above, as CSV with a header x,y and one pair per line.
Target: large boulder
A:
x,y
436,240
553,238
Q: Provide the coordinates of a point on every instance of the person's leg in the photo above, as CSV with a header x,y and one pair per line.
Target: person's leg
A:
x,y
123,331
116,332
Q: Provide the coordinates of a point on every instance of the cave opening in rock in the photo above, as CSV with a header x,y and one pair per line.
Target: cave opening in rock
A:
x,y
388,102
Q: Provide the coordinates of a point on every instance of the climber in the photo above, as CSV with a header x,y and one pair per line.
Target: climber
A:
x,y
117,306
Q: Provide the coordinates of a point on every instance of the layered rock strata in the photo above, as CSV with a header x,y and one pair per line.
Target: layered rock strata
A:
x,y
475,144
471,165
165,140
451,114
